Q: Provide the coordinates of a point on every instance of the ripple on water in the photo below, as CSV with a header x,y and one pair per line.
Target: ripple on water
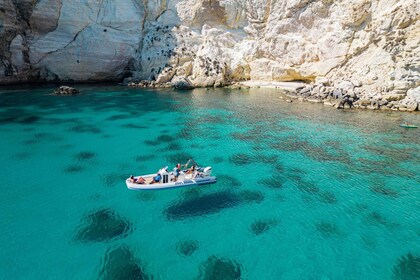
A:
x,y
187,248
316,152
307,187
165,138
191,192
327,197
121,264
146,195
134,126
376,218
174,146
228,181
144,158
218,159
268,159
161,139
110,180
251,196
102,225
118,117
328,229
21,156
272,183
379,188
178,157
241,159
407,267
220,268
151,142
29,120
85,128
30,141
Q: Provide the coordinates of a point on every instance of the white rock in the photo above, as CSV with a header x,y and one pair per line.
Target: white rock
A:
x,y
414,94
354,40
346,85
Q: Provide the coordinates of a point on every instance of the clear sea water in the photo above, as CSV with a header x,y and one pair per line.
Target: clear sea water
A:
x,y
304,191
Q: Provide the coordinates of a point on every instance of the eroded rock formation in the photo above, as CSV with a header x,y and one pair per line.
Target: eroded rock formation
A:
x,y
374,44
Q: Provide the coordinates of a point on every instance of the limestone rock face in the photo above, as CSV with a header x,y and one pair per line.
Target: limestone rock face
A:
x,y
364,47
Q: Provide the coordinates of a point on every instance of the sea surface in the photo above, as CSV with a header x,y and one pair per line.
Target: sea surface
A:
x,y
304,191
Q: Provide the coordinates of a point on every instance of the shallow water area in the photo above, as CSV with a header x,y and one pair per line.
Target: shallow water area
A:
x,y
304,191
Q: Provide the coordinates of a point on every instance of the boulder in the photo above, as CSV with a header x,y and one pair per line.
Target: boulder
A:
x,y
363,102
323,81
166,75
64,90
182,83
393,97
414,93
345,85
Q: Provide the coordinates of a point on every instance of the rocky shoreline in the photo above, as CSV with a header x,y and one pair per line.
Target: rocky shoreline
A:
x,y
346,94
340,95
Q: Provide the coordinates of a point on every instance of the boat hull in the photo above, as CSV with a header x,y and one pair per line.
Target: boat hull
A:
x,y
408,126
171,185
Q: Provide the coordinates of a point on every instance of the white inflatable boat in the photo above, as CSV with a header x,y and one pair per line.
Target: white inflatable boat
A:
x,y
166,179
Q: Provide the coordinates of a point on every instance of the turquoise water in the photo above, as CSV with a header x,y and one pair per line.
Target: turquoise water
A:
x,y
303,192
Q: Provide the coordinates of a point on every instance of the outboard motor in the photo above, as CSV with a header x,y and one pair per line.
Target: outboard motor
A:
x,y
207,171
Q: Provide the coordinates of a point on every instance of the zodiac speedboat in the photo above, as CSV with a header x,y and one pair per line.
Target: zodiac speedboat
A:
x,y
406,125
200,176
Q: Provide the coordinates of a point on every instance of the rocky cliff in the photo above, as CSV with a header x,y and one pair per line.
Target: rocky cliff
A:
x,y
371,45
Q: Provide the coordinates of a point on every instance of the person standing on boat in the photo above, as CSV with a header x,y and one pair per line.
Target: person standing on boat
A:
x,y
177,170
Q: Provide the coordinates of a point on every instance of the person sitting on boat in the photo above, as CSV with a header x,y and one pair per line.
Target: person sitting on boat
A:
x,y
140,180
156,179
191,170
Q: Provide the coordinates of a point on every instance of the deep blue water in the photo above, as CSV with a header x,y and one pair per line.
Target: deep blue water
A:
x,y
303,192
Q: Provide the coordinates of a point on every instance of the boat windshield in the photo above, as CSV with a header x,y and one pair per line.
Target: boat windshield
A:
x,y
190,163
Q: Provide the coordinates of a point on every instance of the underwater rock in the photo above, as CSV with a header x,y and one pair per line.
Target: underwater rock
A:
x,y
272,183
218,159
121,264
85,156
202,205
165,138
73,169
261,226
327,197
308,187
328,229
251,196
241,159
379,189
102,225
187,248
111,180
205,204
376,218
407,267
228,181
220,268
